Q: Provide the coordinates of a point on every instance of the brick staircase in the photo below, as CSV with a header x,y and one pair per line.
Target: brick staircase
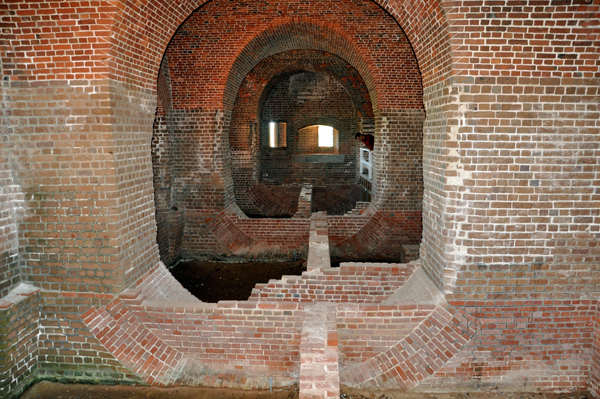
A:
x,y
362,325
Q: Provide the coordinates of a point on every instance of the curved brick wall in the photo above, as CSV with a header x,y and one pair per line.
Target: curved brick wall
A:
x,y
259,343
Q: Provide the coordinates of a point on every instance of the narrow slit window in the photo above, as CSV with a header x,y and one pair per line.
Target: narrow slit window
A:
x,y
277,134
272,134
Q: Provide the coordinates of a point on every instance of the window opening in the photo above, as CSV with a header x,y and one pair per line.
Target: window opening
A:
x,y
325,136
277,134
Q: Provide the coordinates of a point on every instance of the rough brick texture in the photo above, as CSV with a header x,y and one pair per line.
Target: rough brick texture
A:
x,y
540,345
19,329
499,97
351,282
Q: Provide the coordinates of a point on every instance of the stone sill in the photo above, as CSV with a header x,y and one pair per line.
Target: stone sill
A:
x,y
319,158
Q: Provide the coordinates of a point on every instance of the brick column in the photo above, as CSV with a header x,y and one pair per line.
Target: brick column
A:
x,y
304,202
319,368
318,246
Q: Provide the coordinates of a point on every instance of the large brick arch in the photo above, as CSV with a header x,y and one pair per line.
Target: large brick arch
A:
x,y
155,21
425,26
204,83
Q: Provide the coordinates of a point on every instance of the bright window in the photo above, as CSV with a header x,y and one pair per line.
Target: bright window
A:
x,y
325,136
272,134
277,134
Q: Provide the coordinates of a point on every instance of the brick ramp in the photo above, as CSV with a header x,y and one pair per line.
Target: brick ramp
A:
x,y
365,241
153,359
424,351
253,344
134,345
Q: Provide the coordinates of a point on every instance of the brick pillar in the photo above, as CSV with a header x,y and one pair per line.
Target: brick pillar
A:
x,y
19,329
304,202
594,384
319,367
318,246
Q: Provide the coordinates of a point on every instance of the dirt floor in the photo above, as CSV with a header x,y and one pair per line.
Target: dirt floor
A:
x,y
51,390
217,281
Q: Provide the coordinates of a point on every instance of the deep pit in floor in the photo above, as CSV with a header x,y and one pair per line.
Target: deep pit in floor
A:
x,y
212,281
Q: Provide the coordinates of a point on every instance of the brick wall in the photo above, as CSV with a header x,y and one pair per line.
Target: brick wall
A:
x,y
68,351
354,283
19,328
594,378
10,199
342,91
510,148
264,94
301,103
524,110
543,345
367,330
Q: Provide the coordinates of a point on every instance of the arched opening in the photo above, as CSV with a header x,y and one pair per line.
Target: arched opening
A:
x,y
253,157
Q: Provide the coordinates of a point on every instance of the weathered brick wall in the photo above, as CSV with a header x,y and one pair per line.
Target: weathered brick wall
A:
x,y
314,99
594,379
68,351
367,330
541,345
344,110
510,146
10,199
397,155
86,183
272,201
257,338
354,283
336,199
538,104
267,84
162,165
19,328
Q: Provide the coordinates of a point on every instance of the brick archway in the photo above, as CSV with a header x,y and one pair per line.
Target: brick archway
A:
x,y
155,21
202,102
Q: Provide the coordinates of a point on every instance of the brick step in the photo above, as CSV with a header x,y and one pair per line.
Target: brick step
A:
x,y
351,282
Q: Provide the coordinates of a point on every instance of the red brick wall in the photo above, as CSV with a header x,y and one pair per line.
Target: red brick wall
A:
x,y
258,339
328,104
19,328
520,178
10,197
343,104
509,147
543,345
352,282
367,330
594,378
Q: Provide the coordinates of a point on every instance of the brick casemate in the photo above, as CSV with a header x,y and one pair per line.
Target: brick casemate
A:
x,y
131,129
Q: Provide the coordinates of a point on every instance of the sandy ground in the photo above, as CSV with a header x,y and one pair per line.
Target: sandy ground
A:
x,y
51,390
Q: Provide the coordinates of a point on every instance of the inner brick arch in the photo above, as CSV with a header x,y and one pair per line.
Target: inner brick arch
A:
x,y
298,35
249,153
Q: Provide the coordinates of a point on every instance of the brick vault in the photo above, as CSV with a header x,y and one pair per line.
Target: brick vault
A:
x,y
136,133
